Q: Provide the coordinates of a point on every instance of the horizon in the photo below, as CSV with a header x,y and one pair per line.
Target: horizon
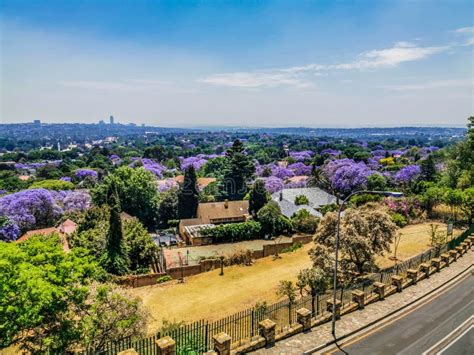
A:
x,y
252,64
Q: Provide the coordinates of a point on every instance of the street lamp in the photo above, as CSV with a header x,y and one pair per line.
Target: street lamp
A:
x,y
336,244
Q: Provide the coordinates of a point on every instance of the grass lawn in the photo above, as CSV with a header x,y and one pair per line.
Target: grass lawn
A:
x,y
210,296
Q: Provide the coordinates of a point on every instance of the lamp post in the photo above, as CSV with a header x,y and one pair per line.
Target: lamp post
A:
x,y
336,245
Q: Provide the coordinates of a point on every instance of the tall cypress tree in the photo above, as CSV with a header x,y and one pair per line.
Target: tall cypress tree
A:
x,y
239,169
188,196
115,259
258,197
428,169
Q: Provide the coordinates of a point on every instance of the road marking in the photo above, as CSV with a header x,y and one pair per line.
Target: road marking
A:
x,y
442,345
377,327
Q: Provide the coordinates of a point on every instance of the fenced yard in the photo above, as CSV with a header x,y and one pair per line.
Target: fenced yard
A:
x,y
196,337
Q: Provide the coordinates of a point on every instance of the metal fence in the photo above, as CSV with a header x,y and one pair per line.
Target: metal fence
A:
x,y
197,337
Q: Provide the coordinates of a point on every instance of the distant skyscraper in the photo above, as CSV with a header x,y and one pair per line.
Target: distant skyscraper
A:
x,y
111,119
37,122
101,122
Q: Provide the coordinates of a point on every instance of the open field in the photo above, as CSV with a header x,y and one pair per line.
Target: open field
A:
x,y
210,296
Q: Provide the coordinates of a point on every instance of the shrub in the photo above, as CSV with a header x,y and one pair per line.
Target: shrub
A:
x,y
301,200
359,200
53,185
332,207
163,278
304,222
292,248
234,232
399,220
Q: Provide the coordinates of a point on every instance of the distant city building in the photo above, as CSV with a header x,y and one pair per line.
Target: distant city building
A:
x,y
112,120
37,122
101,122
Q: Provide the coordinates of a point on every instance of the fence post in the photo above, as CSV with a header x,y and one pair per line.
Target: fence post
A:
x,y
267,331
222,343
253,323
207,335
166,346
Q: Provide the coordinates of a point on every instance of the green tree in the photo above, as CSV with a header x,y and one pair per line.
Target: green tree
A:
x,y
156,152
168,208
428,169
115,259
42,288
305,222
188,195
376,182
287,289
269,216
258,197
136,190
141,249
239,168
301,200
52,185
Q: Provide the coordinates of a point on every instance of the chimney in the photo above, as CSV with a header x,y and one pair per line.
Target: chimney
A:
x,y
281,195
226,203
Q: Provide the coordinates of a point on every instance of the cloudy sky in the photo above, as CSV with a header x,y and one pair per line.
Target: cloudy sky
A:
x,y
238,63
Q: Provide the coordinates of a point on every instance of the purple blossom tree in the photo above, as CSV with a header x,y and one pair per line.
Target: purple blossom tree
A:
x,y
82,174
345,175
407,174
197,163
165,185
302,155
273,184
300,168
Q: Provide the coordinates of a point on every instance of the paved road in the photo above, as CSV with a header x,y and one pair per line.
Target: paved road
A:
x,y
420,330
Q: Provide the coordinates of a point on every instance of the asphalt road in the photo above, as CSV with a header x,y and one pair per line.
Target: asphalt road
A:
x,y
418,331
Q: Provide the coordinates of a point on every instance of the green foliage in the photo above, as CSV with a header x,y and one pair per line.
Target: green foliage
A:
x,y
399,220
53,185
305,222
428,169
270,218
188,196
234,232
115,259
376,182
41,289
359,200
214,167
140,247
332,207
301,200
239,168
10,182
156,152
258,197
168,208
292,248
164,278
287,289
136,190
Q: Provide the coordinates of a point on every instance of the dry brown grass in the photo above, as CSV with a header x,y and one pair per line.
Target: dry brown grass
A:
x,y
210,296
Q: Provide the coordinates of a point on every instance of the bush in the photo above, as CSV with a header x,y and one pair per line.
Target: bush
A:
x,y
301,200
234,232
332,207
399,220
293,248
304,222
163,278
359,200
53,185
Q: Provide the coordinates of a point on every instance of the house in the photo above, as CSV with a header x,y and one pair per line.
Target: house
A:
x,y
64,230
208,215
316,199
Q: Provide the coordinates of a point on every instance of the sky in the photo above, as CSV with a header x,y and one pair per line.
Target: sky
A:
x,y
238,63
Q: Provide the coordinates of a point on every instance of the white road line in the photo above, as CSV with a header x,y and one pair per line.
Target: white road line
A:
x,y
431,350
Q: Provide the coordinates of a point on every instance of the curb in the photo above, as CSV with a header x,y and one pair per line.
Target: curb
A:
x,y
332,342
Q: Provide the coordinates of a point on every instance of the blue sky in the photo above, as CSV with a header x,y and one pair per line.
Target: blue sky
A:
x,y
252,63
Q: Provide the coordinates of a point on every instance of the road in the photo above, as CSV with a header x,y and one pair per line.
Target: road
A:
x,y
444,325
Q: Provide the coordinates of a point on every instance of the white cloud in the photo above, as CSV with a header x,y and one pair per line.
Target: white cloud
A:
x,y
437,84
466,31
254,80
298,76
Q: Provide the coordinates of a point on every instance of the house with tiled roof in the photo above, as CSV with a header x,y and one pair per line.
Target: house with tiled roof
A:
x,y
64,230
208,215
316,197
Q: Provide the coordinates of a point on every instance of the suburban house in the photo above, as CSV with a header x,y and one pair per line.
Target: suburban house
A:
x,y
316,199
63,230
208,215
202,182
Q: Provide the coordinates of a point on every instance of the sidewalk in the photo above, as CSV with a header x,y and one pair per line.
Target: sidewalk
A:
x,y
321,335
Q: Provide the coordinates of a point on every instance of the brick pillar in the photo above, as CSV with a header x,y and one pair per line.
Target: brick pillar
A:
x,y
330,308
166,346
460,250
445,258
453,254
222,343
465,246
358,297
379,288
412,274
128,352
436,262
425,268
267,330
303,317
397,281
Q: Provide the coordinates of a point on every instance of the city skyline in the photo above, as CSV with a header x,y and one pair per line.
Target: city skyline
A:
x,y
264,64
